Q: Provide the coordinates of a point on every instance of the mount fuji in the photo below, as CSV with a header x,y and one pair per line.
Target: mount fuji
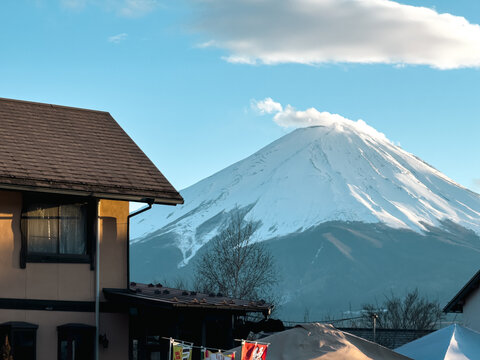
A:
x,y
349,216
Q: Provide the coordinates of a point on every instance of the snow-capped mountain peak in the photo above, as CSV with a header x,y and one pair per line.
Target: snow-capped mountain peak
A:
x,y
343,170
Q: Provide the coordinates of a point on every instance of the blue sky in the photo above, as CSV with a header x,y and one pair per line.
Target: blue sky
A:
x,y
180,76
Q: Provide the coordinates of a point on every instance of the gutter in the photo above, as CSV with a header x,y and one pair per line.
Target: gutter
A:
x,y
97,267
122,194
150,202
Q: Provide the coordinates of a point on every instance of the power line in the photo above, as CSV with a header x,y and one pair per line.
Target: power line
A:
x,y
322,321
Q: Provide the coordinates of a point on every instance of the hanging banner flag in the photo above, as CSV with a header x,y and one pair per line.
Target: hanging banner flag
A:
x,y
253,351
187,353
208,355
182,351
204,354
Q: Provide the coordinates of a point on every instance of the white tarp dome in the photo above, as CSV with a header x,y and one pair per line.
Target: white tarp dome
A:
x,y
323,342
453,342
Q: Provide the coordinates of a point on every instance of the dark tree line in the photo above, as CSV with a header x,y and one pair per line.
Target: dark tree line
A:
x,y
413,312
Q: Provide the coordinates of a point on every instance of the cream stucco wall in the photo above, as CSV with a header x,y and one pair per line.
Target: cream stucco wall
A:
x,y
61,281
73,282
113,244
112,325
471,311
13,279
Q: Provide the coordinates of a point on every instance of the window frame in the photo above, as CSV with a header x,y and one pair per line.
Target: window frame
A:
x,y
72,333
12,328
57,257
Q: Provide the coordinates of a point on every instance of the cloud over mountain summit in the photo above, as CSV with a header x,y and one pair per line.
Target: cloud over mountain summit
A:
x,y
289,117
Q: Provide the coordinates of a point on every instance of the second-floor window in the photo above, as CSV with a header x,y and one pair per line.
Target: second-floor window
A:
x,y
56,229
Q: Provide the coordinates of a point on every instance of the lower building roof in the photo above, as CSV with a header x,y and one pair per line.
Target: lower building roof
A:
x,y
164,297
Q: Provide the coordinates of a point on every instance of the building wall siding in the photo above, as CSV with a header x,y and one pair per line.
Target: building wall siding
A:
x,y
13,279
113,244
110,324
73,282
471,311
61,281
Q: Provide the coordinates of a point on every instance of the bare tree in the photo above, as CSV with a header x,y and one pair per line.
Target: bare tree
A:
x,y
413,312
235,265
179,282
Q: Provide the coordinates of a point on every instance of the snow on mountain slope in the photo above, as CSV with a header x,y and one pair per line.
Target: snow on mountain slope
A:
x,y
344,171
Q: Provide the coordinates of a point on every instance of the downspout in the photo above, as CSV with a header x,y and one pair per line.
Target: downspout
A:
x,y
135,213
97,284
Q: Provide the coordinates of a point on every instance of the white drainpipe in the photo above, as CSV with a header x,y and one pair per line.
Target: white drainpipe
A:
x,y
97,284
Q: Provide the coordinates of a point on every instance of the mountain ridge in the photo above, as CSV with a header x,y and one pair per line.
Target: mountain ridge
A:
x,y
367,178
348,216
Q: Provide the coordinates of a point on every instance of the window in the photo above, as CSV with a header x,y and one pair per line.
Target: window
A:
x,y
56,229
18,340
76,342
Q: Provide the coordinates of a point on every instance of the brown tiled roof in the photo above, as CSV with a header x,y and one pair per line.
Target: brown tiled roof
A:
x,y
152,295
61,149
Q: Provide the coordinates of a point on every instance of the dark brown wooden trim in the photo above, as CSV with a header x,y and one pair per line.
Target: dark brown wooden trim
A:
x,y
23,231
18,332
58,305
121,195
57,258
92,224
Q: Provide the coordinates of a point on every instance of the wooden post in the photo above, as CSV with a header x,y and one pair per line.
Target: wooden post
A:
x,y
204,332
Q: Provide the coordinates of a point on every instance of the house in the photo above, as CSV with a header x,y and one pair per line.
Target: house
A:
x,y
67,176
467,301
209,320
449,343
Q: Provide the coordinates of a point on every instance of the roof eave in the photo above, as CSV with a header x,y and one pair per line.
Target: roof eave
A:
x,y
456,304
123,294
146,198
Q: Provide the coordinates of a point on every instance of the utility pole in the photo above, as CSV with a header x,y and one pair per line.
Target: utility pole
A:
x,y
374,318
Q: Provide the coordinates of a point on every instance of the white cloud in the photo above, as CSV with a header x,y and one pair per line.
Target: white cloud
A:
x,y
206,44
267,106
137,8
117,38
338,31
74,4
289,117
125,8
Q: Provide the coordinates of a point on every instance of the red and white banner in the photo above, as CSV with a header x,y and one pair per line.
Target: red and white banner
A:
x,y
254,351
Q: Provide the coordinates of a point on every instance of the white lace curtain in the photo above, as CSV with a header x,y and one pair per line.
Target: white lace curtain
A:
x,y
56,229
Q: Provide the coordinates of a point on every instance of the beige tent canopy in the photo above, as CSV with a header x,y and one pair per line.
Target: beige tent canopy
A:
x,y
323,342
